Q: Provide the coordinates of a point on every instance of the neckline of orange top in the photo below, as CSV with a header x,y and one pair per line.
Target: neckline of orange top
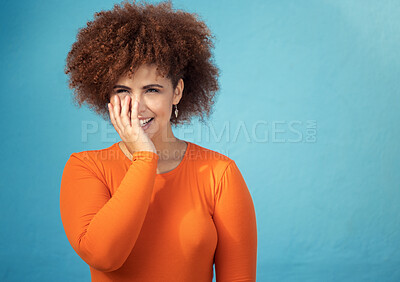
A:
x,y
185,156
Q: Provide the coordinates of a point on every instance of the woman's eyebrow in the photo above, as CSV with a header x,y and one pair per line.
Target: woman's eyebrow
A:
x,y
144,87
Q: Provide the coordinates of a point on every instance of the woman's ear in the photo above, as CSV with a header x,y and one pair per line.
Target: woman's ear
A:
x,y
178,92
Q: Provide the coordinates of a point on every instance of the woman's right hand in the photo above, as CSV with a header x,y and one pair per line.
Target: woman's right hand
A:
x,y
128,126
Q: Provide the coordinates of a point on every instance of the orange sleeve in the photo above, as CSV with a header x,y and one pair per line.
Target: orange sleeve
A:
x,y
100,228
235,221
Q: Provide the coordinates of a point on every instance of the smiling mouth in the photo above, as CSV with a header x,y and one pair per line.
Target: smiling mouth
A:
x,y
143,123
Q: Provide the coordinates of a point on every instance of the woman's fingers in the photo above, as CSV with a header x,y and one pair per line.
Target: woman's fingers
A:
x,y
126,122
117,112
125,119
134,114
112,117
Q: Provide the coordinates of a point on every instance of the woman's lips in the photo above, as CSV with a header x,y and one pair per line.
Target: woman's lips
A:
x,y
147,125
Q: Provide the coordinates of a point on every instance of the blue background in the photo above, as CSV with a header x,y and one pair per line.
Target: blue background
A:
x,y
309,109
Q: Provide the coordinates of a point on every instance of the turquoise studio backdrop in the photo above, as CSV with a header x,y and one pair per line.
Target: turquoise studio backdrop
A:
x,y
308,107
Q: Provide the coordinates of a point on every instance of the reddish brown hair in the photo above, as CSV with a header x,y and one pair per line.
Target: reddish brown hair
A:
x,y
131,34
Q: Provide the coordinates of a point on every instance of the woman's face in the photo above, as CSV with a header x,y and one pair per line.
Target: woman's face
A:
x,y
155,95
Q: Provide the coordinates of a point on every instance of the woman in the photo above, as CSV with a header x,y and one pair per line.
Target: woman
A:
x,y
153,207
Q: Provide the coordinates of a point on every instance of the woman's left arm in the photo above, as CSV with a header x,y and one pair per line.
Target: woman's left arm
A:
x,y
235,221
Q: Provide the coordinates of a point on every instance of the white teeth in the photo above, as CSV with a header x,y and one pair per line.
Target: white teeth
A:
x,y
144,121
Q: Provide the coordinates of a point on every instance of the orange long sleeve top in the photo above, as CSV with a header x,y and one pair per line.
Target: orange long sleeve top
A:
x,y
129,223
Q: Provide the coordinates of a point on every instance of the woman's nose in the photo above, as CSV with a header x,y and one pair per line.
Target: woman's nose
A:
x,y
135,98
141,102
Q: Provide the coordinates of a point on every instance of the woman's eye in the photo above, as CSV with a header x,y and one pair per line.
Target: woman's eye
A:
x,y
124,91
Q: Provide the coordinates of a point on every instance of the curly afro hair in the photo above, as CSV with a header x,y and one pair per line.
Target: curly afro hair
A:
x,y
120,40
